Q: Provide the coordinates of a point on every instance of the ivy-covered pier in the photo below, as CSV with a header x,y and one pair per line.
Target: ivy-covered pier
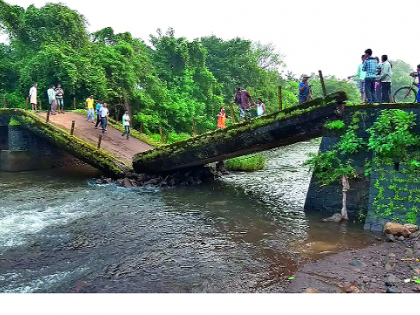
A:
x,y
377,147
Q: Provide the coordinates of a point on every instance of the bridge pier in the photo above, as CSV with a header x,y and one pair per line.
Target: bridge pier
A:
x,y
21,150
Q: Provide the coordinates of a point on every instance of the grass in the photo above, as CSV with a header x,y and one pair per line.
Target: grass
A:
x,y
248,163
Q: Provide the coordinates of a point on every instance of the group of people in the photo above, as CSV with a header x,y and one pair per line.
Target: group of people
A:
x,y
55,98
102,112
374,78
243,99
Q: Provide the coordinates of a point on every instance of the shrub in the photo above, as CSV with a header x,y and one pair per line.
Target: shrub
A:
x,y
249,163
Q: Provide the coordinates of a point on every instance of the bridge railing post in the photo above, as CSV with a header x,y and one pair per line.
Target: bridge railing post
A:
x,y
72,127
40,104
232,113
194,128
161,135
321,78
48,116
99,141
26,103
280,99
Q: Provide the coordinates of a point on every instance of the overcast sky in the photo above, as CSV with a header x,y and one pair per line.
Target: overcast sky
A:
x,y
327,35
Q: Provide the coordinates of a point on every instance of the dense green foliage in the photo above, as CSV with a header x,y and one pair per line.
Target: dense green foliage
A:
x,y
163,85
249,163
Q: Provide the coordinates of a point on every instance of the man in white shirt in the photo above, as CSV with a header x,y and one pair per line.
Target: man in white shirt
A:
x,y
51,99
104,117
33,96
385,79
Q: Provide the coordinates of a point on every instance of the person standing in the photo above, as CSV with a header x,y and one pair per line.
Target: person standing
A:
x,y
221,119
59,99
417,74
243,99
304,88
126,124
261,109
98,113
371,67
360,78
385,79
33,96
89,106
51,99
104,117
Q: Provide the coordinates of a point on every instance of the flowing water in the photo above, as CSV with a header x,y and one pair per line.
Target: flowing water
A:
x,y
61,232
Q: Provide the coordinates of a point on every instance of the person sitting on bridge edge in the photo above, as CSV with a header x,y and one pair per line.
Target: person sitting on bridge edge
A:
x,y
89,106
51,99
221,119
242,99
360,78
385,79
98,113
371,67
104,117
126,124
304,88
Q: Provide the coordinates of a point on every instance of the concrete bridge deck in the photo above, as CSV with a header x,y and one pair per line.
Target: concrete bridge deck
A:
x,y
114,158
292,125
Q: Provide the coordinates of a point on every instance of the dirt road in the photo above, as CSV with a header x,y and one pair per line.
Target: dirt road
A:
x,y
112,140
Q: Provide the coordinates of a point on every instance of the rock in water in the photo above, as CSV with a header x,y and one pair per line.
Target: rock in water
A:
x,y
337,218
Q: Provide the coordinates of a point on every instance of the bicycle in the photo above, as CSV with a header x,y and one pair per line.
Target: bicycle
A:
x,y
407,93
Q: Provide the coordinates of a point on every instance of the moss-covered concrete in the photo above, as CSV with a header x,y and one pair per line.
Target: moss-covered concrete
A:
x,y
295,124
62,139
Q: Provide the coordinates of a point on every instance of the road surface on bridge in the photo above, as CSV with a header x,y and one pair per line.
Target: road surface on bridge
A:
x,y
112,140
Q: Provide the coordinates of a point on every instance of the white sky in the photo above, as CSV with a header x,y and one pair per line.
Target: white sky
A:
x,y
327,35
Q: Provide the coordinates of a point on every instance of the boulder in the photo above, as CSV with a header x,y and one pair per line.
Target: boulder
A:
x,y
352,289
391,280
390,238
397,229
126,183
311,290
415,235
411,227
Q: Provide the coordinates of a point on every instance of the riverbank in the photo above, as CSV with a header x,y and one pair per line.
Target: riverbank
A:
x,y
374,269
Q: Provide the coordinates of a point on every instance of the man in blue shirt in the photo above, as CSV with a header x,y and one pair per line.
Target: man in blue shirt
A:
x,y
371,67
304,88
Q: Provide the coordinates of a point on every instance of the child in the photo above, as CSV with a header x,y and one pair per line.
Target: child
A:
x,y
260,108
221,122
126,124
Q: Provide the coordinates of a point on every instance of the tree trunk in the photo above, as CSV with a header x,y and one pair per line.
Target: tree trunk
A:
x,y
346,187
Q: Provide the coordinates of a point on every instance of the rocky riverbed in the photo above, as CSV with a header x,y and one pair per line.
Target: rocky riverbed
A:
x,y
386,267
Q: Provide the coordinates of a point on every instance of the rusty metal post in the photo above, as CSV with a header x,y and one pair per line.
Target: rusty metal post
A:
x,y
4,101
161,135
280,99
232,113
72,127
26,103
99,141
74,102
48,116
324,90
194,129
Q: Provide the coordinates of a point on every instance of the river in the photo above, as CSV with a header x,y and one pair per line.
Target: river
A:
x,y
61,232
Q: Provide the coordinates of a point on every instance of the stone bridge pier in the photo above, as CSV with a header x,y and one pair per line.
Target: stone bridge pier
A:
x,y
22,150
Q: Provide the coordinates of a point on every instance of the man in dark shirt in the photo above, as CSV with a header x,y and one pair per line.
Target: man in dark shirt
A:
x,y
242,99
